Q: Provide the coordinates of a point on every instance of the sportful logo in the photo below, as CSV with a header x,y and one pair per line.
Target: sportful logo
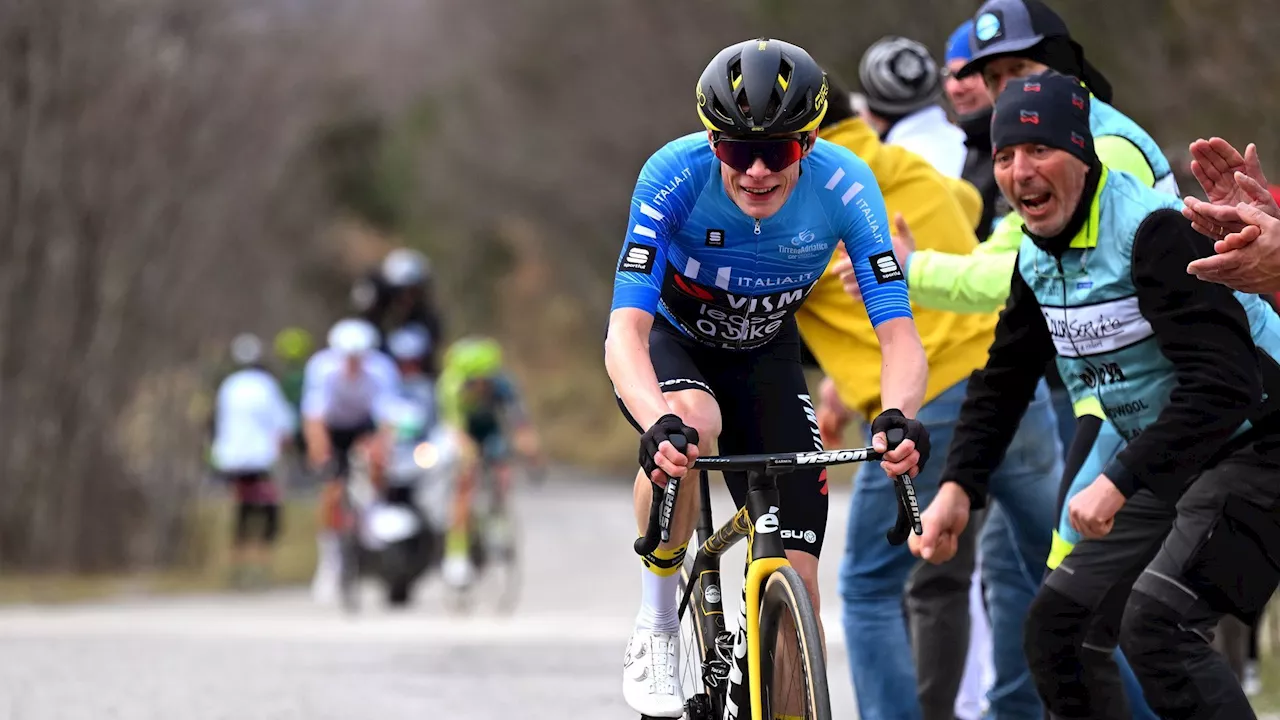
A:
x,y
1077,139
885,267
1031,87
1029,117
1078,101
637,258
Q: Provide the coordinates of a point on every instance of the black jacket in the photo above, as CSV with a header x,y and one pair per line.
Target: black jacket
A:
x,y
1201,328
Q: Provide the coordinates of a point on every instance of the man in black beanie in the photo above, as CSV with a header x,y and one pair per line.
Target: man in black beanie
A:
x,y
1176,522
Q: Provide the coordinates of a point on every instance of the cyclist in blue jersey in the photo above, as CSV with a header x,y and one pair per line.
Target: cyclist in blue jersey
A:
x,y
729,230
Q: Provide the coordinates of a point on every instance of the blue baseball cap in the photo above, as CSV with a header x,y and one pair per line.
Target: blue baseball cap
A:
x,y
958,43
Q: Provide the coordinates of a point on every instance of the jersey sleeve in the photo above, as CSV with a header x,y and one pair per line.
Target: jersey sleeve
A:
x,y
863,225
976,282
664,195
315,398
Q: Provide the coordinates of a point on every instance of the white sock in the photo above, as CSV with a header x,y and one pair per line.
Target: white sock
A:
x,y
658,603
330,553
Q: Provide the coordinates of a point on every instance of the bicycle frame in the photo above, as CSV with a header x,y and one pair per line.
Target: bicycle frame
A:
x,y
757,521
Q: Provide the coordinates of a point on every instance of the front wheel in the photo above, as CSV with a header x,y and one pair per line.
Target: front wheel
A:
x,y
793,667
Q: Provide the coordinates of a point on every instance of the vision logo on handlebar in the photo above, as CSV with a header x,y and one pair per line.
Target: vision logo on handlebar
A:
x,y
662,507
831,456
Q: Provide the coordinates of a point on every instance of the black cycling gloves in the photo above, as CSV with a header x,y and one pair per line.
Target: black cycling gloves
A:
x,y
663,429
913,430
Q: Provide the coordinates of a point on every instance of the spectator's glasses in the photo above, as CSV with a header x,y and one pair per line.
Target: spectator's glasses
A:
x,y
778,154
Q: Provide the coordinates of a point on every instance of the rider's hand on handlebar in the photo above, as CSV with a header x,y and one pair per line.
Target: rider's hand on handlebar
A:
x,y
659,457
910,456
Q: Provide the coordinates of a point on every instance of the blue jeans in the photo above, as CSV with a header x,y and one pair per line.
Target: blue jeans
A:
x,y
1066,415
1014,550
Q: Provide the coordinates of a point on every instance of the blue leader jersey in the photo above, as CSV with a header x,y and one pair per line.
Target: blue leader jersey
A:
x,y
730,281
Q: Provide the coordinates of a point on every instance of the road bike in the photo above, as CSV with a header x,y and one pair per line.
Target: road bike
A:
x,y
754,672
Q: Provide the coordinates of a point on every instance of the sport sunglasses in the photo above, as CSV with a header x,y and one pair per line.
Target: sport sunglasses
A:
x,y
778,154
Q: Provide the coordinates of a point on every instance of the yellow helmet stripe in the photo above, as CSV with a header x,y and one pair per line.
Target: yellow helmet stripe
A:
x,y
707,121
783,82
736,82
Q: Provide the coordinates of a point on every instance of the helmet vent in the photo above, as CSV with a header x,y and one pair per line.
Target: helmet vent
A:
x,y
719,111
775,104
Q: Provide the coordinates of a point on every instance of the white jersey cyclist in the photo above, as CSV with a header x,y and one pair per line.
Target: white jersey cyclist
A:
x,y
349,384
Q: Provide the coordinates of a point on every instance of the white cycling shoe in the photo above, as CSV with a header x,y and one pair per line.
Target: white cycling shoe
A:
x,y
651,674
457,571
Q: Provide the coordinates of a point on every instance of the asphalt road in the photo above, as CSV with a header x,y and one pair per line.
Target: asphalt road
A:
x,y
279,656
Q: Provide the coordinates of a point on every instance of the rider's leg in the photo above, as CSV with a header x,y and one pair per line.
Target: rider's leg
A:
x,y
651,682
337,444
270,532
654,645
240,553
771,393
698,410
457,563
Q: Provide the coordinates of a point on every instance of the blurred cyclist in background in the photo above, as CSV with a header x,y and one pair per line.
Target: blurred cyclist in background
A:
x,y
413,415
480,402
410,346
347,387
399,292
253,422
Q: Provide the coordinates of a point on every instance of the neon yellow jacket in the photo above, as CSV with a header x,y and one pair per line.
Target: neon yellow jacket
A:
x,y
942,213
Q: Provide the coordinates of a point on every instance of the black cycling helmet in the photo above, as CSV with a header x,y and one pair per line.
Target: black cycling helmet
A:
x,y
762,87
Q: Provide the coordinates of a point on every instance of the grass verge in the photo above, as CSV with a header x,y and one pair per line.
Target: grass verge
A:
x,y
206,568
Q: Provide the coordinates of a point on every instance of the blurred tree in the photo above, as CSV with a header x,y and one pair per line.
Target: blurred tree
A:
x,y
175,171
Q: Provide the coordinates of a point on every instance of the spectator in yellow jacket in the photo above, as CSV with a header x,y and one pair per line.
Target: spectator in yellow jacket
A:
x,y
1016,544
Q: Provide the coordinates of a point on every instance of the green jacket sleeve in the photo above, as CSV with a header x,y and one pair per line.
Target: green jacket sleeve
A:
x,y
973,283
1118,153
